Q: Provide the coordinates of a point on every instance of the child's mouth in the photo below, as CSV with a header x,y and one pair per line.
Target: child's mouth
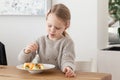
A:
x,y
52,34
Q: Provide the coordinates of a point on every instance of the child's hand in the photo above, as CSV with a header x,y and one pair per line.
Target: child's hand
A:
x,y
69,72
32,47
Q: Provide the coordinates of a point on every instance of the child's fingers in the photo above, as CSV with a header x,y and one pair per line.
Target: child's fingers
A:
x,y
31,48
69,72
27,51
65,70
70,75
34,46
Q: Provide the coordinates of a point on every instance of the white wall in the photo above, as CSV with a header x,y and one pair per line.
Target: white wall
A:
x,y
17,31
102,24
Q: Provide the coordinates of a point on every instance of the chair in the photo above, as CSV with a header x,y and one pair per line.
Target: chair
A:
x,y
3,59
86,65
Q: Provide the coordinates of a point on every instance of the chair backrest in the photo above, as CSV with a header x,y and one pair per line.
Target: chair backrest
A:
x,y
3,59
85,66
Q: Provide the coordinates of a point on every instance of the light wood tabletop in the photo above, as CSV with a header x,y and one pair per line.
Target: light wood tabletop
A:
x,y
12,73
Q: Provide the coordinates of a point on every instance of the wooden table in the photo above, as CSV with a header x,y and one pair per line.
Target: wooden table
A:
x,y
12,73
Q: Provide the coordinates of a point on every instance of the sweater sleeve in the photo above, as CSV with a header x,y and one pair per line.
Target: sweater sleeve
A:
x,y
23,57
68,56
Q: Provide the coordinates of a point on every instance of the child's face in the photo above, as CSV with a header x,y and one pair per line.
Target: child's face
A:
x,y
55,27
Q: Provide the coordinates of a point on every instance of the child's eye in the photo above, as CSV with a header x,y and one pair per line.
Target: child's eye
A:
x,y
49,25
57,28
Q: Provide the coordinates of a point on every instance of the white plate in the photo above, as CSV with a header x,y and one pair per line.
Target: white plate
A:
x,y
46,67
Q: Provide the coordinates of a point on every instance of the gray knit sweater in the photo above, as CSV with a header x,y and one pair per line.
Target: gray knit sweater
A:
x,y
60,52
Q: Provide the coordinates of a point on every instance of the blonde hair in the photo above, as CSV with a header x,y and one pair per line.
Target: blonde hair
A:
x,y
61,11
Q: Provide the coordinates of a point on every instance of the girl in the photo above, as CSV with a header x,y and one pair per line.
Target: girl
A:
x,y
56,47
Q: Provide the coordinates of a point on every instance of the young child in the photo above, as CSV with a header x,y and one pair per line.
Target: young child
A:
x,y
56,47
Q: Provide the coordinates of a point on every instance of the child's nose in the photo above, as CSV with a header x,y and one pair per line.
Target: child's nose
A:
x,y
52,29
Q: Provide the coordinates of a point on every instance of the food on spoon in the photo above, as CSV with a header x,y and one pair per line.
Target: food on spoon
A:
x,y
33,66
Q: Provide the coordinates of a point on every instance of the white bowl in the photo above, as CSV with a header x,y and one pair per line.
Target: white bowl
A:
x,y
46,67
35,71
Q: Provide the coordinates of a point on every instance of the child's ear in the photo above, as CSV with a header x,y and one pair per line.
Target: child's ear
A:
x,y
68,24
